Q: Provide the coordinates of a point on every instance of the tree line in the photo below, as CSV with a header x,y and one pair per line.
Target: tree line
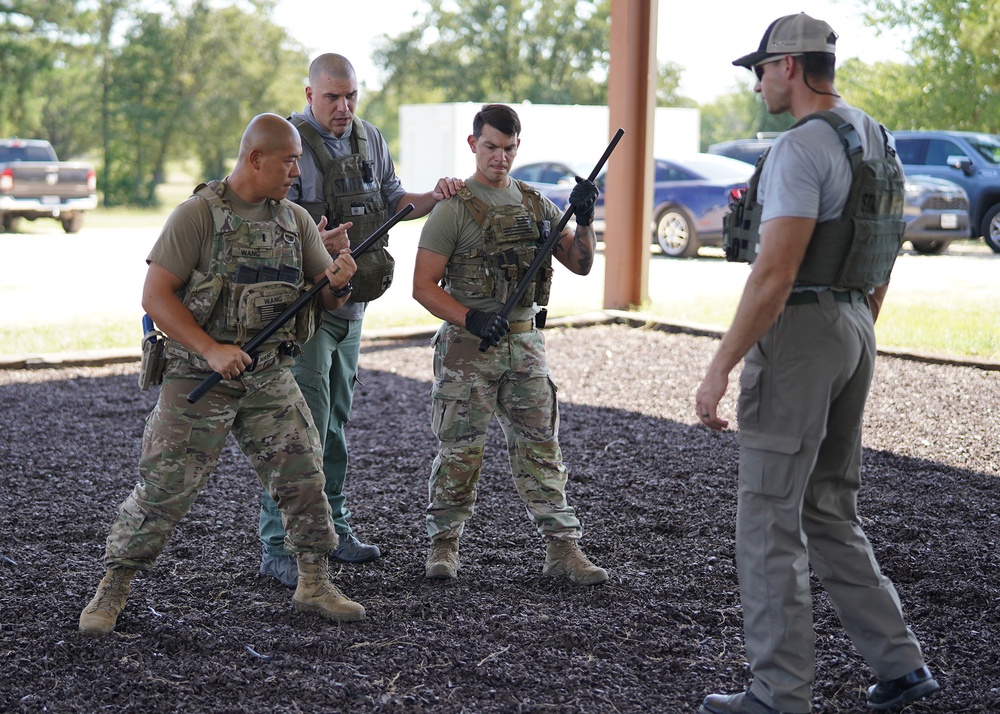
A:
x,y
135,85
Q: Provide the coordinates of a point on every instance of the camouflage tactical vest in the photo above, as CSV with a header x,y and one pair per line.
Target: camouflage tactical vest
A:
x,y
510,243
856,251
351,192
254,275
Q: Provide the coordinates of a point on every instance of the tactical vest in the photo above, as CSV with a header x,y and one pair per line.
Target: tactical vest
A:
x,y
510,243
351,192
255,273
857,250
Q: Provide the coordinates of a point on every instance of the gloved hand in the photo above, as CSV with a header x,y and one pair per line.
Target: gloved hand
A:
x,y
582,198
490,326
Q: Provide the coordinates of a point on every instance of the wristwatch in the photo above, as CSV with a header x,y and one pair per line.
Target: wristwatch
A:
x,y
344,291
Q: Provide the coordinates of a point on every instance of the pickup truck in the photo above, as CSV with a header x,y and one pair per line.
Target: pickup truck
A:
x,y
969,159
35,184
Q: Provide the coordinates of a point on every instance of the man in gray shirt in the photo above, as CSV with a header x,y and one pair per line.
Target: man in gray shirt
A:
x,y
804,330
348,183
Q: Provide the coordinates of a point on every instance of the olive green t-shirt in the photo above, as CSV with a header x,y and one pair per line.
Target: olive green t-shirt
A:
x,y
450,229
185,243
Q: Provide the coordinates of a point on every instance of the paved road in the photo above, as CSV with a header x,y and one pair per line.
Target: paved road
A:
x,y
48,276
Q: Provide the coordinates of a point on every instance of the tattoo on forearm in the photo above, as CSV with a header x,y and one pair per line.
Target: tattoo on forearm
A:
x,y
585,250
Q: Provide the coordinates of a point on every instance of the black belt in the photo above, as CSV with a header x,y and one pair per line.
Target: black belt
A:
x,y
811,297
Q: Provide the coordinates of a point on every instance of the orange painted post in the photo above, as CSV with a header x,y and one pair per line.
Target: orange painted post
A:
x,y
628,189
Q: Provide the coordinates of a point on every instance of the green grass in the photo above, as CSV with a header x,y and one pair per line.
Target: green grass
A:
x,y
947,329
71,337
930,326
926,327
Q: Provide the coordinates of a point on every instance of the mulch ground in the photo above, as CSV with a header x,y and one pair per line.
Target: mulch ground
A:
x,y
655,490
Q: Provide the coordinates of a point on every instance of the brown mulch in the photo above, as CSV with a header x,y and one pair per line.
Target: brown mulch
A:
x,y
656,492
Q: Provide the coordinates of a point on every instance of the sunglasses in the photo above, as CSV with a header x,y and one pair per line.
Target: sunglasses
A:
x,y
758,69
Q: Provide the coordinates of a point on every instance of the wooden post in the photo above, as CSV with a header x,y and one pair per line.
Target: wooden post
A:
x,y
628,190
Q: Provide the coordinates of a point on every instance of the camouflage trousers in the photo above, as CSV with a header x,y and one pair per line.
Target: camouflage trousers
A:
x,y
512,382
269,419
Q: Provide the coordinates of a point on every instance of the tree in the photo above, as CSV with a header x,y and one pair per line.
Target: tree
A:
x,y
668,84
541,51
30,42
953,78
741,114
180,86
885,90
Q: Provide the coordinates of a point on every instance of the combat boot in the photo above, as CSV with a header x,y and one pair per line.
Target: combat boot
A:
x,y
564,557
101,614
315,592
442,560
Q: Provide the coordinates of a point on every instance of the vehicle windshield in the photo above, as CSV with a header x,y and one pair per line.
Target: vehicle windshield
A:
x,y
23,153
987,146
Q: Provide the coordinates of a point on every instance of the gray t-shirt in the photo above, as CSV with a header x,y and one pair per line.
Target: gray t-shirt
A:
x,y
308,186
807,174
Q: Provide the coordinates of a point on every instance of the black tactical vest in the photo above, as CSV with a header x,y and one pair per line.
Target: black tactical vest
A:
x,y
352,193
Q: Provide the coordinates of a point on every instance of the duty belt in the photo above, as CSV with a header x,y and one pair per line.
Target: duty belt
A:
x,y
261,360
520,326
811,297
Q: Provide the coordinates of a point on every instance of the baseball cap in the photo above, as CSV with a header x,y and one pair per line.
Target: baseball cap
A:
x,y
792,34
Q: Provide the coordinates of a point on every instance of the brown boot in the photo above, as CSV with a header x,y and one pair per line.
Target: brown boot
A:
x,y
100,616
564,557
442,560
315,592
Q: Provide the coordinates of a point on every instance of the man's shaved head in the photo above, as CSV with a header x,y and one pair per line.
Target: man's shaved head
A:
x,y
269,133
268,161
332,65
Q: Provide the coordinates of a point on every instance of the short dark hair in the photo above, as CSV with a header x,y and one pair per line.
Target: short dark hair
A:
x,y
500,117
819,65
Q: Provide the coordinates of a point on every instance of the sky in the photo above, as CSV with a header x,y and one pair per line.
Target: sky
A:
x,y
704,38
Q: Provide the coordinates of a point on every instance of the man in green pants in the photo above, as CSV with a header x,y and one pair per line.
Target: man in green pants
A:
x,y
348,180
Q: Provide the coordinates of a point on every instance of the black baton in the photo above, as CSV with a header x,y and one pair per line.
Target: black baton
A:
x,y
549,245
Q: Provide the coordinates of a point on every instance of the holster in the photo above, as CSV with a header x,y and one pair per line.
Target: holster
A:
x,y
153,360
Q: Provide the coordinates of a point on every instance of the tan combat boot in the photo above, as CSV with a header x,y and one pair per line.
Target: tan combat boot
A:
x,y
101,615
315,592
564,557
442,560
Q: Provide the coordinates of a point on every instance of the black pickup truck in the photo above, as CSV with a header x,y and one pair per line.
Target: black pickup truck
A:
x,y
35,184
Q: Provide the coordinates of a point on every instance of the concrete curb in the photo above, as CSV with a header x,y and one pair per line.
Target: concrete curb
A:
x,y
96,358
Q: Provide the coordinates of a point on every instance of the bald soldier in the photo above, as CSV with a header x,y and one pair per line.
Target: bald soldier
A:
x,y
230,258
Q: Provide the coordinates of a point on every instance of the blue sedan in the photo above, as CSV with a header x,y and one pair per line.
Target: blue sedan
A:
x,y
690,198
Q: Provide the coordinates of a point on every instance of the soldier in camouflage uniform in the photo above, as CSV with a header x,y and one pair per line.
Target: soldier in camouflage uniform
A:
x,y
199,292
473,250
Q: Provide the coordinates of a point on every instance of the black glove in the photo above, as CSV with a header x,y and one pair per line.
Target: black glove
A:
x,y
582,198
490,326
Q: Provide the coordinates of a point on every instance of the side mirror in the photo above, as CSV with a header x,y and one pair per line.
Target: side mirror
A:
x,y
962,163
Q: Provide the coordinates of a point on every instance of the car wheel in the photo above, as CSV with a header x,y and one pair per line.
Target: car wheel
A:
x,y
675,233
73,222
930,247
991,228
10,222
